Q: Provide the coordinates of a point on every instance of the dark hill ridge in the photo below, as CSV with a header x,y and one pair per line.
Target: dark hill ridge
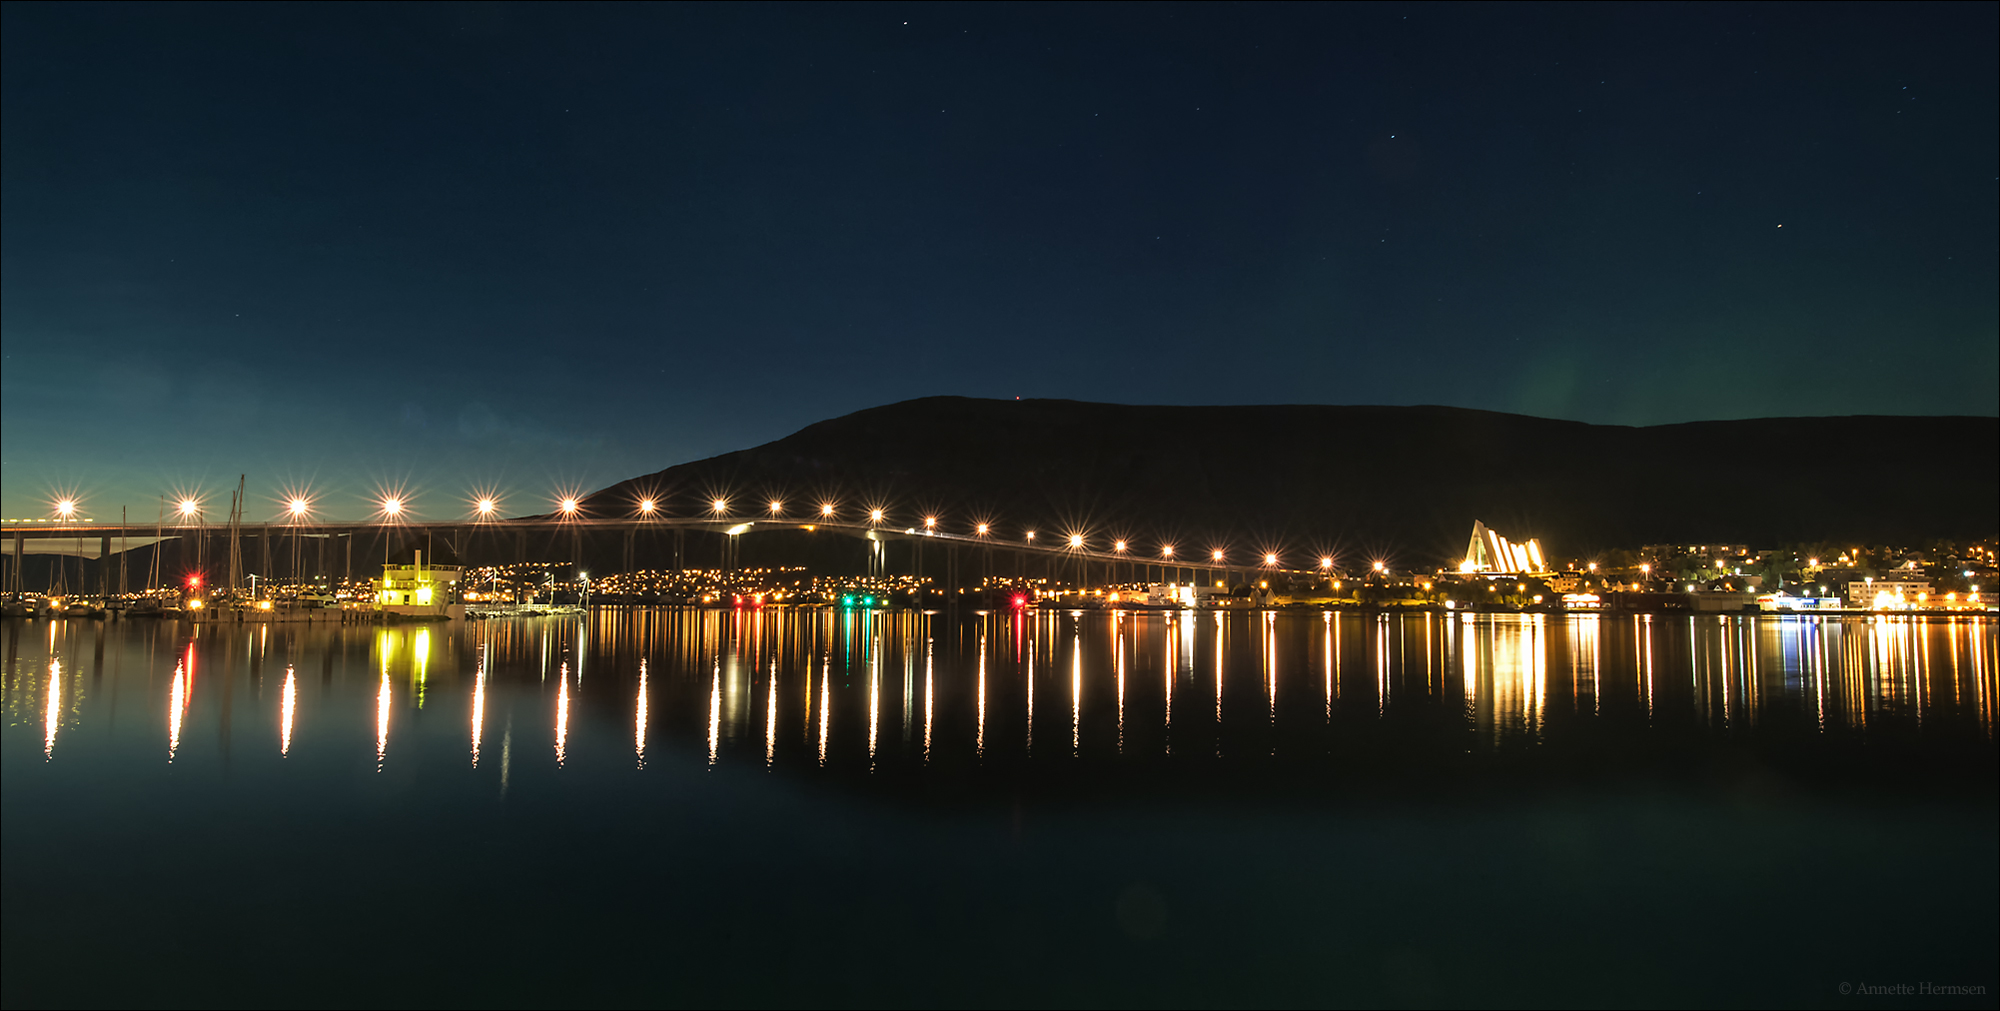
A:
x,y
1407,481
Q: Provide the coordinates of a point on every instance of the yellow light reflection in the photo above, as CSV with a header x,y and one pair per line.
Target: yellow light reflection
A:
x,y
979,742
288,709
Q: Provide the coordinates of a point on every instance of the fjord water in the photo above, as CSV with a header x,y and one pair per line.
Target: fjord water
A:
x,y
849,807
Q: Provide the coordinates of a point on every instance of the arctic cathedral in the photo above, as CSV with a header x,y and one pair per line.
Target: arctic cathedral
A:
x,y
1490,552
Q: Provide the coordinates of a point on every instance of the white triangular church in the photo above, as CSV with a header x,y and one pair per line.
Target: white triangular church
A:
x,y
1490,552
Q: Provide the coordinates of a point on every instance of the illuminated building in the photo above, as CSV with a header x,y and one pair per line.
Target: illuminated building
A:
x,y
1490,552
419,591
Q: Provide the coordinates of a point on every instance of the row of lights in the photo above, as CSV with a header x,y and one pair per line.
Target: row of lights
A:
x,y
392,507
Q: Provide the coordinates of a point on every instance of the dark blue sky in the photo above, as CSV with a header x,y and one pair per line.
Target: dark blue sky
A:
x,y
455,245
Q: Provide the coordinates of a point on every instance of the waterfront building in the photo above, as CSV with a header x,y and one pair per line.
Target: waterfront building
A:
x,y
419,591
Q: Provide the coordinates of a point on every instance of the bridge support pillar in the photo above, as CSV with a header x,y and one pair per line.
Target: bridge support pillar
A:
x,y
631,549
104,567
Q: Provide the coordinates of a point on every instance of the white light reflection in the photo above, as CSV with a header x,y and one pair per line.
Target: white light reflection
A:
x,y
176,704
639,720
1120,646
1076,689
874,691
53,714
825,687
714,710
382,721
478,704
288,709
771,716
562,712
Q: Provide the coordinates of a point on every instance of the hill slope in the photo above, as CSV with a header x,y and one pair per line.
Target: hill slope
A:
x,y
1407,481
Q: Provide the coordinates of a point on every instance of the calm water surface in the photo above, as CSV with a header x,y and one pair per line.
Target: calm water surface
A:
x,y
681,806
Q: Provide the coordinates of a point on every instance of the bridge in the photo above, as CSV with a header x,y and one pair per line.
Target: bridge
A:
x,y
299,548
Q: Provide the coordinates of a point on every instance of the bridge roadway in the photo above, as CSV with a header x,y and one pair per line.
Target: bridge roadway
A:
x,y
466,533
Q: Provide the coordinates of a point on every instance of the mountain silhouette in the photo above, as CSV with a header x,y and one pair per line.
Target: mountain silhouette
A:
x,y
1398,482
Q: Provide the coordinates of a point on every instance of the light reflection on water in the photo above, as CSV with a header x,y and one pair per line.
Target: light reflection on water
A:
x,y
1518,679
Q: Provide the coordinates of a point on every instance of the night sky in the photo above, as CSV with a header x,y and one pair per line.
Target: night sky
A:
x,y
438,247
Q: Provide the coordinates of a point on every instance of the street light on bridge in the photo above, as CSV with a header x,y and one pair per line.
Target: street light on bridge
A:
x,y
569,505
647,507
392,507
930,524
874,515
66,508
826,509
777,507
1326,563
1076,540
485,507
719,506
298,507
1215,555
1270,559
190,508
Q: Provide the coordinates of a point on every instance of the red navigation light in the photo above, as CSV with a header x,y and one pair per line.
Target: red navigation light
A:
x,y
1020,601
194,582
